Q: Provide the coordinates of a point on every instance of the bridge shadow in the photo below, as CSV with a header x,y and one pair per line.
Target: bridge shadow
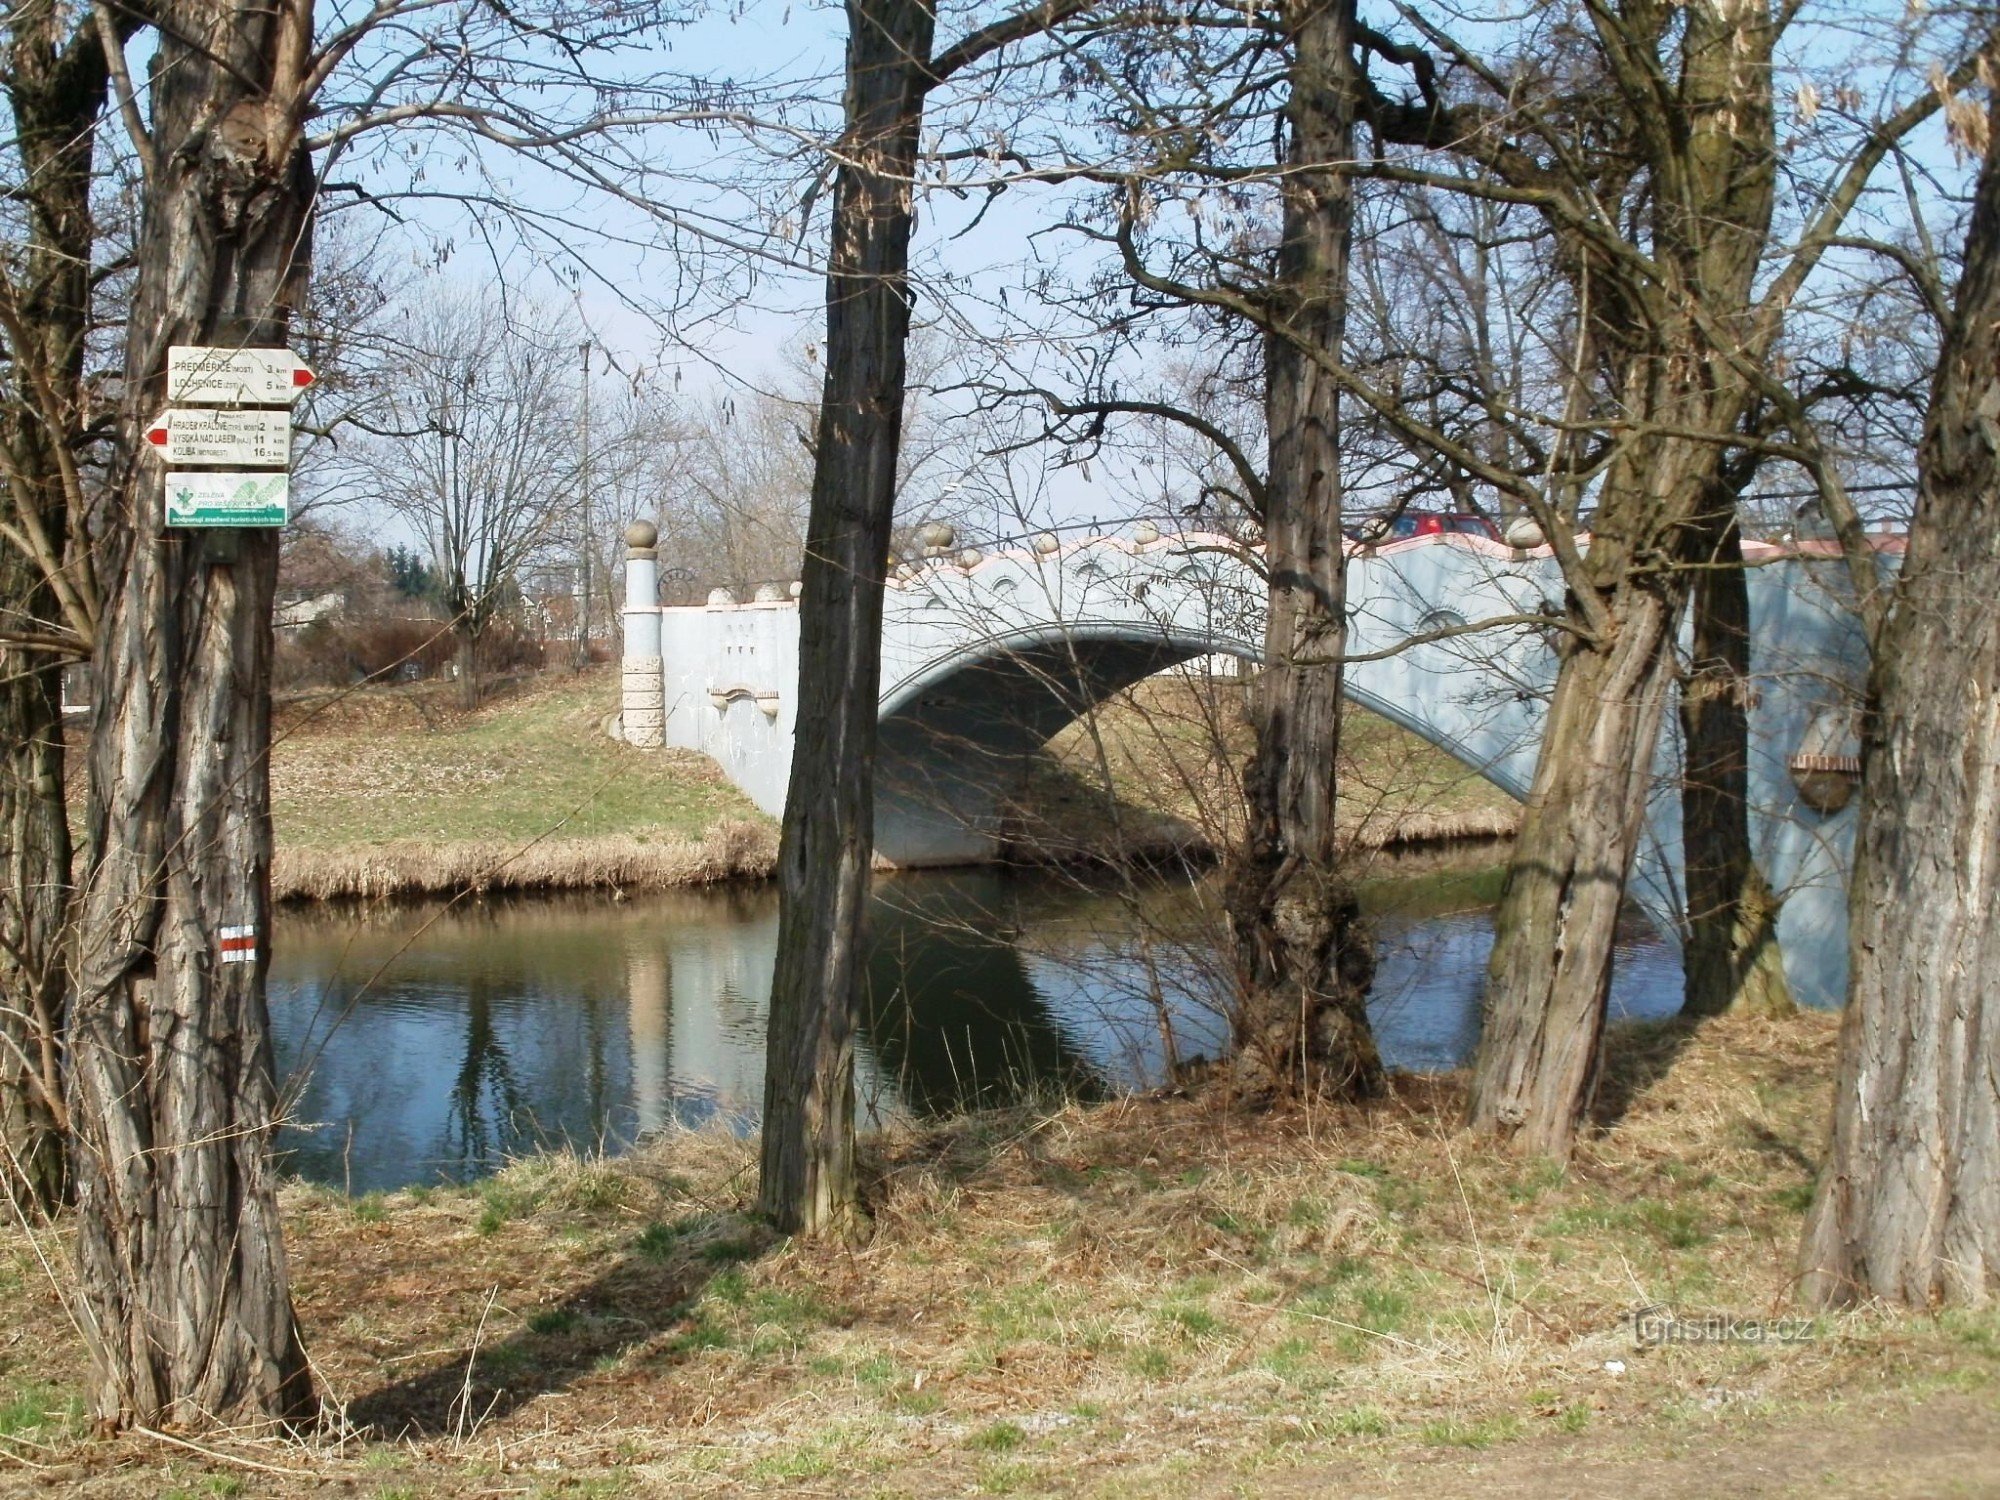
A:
x,y
646,1300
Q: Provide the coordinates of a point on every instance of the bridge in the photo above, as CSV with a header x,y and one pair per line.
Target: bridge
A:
x,y
987,653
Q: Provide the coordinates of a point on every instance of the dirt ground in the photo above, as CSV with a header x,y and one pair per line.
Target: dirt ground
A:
x,y
1938,1447
1159,1296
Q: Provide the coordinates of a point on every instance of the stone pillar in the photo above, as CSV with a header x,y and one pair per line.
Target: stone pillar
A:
x,y
645,697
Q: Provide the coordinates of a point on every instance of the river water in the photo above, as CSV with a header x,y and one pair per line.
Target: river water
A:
x,y
430,1043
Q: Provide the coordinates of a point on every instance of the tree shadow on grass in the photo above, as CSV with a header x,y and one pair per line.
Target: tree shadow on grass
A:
x,y
1637,1055
649,1297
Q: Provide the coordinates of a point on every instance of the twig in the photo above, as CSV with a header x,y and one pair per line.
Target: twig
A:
x,y
464,1401
216,1453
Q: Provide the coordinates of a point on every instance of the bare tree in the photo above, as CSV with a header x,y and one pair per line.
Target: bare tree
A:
x,y
1679,314
808,1180
56,87
184,1289
183,1277
1305,959
1908,1207
475,449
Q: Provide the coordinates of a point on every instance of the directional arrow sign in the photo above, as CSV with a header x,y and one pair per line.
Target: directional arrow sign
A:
x,y
199,375
198,499
204,435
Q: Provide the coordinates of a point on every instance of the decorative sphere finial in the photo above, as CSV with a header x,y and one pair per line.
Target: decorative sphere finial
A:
x,y
642,534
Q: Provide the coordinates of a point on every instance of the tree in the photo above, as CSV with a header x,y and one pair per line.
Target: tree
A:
x,y
183,1283
475,449
1730,959
1306,962
183,1280
1669,113
1908,1205
807,1171
410,573
55,85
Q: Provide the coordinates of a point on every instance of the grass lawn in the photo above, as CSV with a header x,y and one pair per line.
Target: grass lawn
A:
x,y
394,764
1159,1296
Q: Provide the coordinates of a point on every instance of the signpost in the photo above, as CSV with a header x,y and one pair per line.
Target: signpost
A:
x,y
199,376
207,435
230,410
195,498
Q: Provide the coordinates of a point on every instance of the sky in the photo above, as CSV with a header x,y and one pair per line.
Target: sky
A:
x,y
669,306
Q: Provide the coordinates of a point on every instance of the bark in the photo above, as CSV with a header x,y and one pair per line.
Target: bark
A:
x,y
1908,1207
808,1181
1540,1052
55,81
34,897
1303,956
1712,164
183,1278
1732,961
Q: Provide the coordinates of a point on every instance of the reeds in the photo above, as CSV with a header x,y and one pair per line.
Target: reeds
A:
x,y
733,849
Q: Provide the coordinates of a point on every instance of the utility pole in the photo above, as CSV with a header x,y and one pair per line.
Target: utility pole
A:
x,y
583,506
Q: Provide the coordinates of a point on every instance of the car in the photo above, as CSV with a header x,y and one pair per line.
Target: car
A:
x,y
1404,523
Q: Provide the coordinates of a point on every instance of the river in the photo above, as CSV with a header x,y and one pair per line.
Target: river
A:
x,y
431,1043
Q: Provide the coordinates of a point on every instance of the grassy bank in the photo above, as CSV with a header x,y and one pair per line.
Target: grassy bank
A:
x,y
400,792
1158,768
1160,1296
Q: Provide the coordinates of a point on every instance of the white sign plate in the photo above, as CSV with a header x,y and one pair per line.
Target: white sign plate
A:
x,y
201,375
200,435
198,499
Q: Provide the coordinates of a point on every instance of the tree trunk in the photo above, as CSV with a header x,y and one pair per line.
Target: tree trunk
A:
x,y
1550,973
1712,165
465,656
34,900
808,1180
1303,956
1908,1207
1732,960
55,81
183,1275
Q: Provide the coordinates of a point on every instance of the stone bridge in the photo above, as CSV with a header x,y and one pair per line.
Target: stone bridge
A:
x,y
985,654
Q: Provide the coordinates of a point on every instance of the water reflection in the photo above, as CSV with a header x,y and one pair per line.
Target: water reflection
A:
x,y
431,1043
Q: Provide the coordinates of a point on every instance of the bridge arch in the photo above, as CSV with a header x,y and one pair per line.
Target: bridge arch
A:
x,y
957,731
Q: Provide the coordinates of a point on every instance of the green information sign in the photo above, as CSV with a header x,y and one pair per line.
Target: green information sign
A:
x,y
201,499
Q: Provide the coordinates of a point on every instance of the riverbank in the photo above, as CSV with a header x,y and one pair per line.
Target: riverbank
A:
x,y
399,792
1156,1296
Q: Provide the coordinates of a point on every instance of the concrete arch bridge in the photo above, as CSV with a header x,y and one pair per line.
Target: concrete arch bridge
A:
x,y
986,654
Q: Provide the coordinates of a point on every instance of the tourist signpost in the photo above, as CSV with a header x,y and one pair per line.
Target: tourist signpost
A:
x,y
218,435
198,375
229,414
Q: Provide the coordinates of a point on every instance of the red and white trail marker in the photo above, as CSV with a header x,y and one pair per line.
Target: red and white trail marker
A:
x,y
238,945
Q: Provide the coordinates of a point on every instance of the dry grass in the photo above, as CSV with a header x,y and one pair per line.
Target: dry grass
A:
x,y
733,849
1156,1296
1156,771
403,765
